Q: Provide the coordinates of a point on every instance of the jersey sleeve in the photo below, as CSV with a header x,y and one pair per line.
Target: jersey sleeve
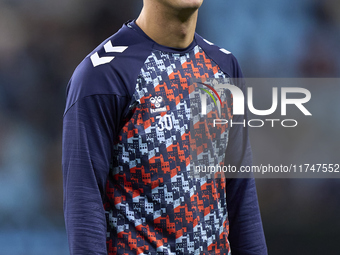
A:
x,y
89,130
90,126
98,98
246,234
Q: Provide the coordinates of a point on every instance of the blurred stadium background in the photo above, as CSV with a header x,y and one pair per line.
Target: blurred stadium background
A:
x,y
42,41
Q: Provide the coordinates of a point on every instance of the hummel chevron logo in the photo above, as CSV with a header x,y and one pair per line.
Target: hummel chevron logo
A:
x,y
96,60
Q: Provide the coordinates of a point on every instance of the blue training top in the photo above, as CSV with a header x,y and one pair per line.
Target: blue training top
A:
x,y
138,136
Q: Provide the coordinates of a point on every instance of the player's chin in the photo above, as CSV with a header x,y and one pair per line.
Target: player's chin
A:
x,y
190,4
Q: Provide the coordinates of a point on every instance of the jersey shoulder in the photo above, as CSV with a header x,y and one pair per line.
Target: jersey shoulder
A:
x,y
111,68
222,57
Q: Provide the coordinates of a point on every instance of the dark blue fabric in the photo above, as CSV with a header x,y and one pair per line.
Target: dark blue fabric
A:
x,y
117,77
89,129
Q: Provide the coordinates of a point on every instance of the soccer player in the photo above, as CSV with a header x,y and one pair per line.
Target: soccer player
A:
x,y
137,122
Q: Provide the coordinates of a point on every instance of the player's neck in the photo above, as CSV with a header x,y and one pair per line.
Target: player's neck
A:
x,y
168,27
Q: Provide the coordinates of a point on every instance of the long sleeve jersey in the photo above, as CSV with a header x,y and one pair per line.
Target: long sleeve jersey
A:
x,y
138,125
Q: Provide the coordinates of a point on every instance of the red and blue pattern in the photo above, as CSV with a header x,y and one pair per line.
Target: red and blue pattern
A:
x,y
154,203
